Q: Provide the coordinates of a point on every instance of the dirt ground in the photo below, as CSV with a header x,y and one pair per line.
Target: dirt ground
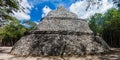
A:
x,y
114,55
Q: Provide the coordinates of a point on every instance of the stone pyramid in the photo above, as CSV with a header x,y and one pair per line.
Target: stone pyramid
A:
x,y
60,33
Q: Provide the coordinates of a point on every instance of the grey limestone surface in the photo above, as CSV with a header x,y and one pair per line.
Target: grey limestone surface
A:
x,y
60,33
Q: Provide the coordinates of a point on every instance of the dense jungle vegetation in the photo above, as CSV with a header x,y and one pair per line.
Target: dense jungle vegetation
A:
x,y
11,29
107,26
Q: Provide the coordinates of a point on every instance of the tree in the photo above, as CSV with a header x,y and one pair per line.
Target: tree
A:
x,y
6,7
96,23
117,2
10,28
109,26
112,27
30,24
14,31
11,33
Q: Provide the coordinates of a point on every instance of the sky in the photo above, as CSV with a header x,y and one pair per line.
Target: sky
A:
x,y
37,9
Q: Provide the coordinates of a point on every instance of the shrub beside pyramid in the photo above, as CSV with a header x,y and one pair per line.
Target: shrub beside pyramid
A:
x,y
60,33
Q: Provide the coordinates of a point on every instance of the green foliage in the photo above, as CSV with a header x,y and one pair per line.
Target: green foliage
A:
x,y
6,8
96,23
31,24
9,5
13,32
107,25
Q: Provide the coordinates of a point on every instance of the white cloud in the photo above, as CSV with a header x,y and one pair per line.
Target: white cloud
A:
x,y
96,6
23,15
46,10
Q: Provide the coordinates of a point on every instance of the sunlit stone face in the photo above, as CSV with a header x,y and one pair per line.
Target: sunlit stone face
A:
x,y
61,12
60,33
